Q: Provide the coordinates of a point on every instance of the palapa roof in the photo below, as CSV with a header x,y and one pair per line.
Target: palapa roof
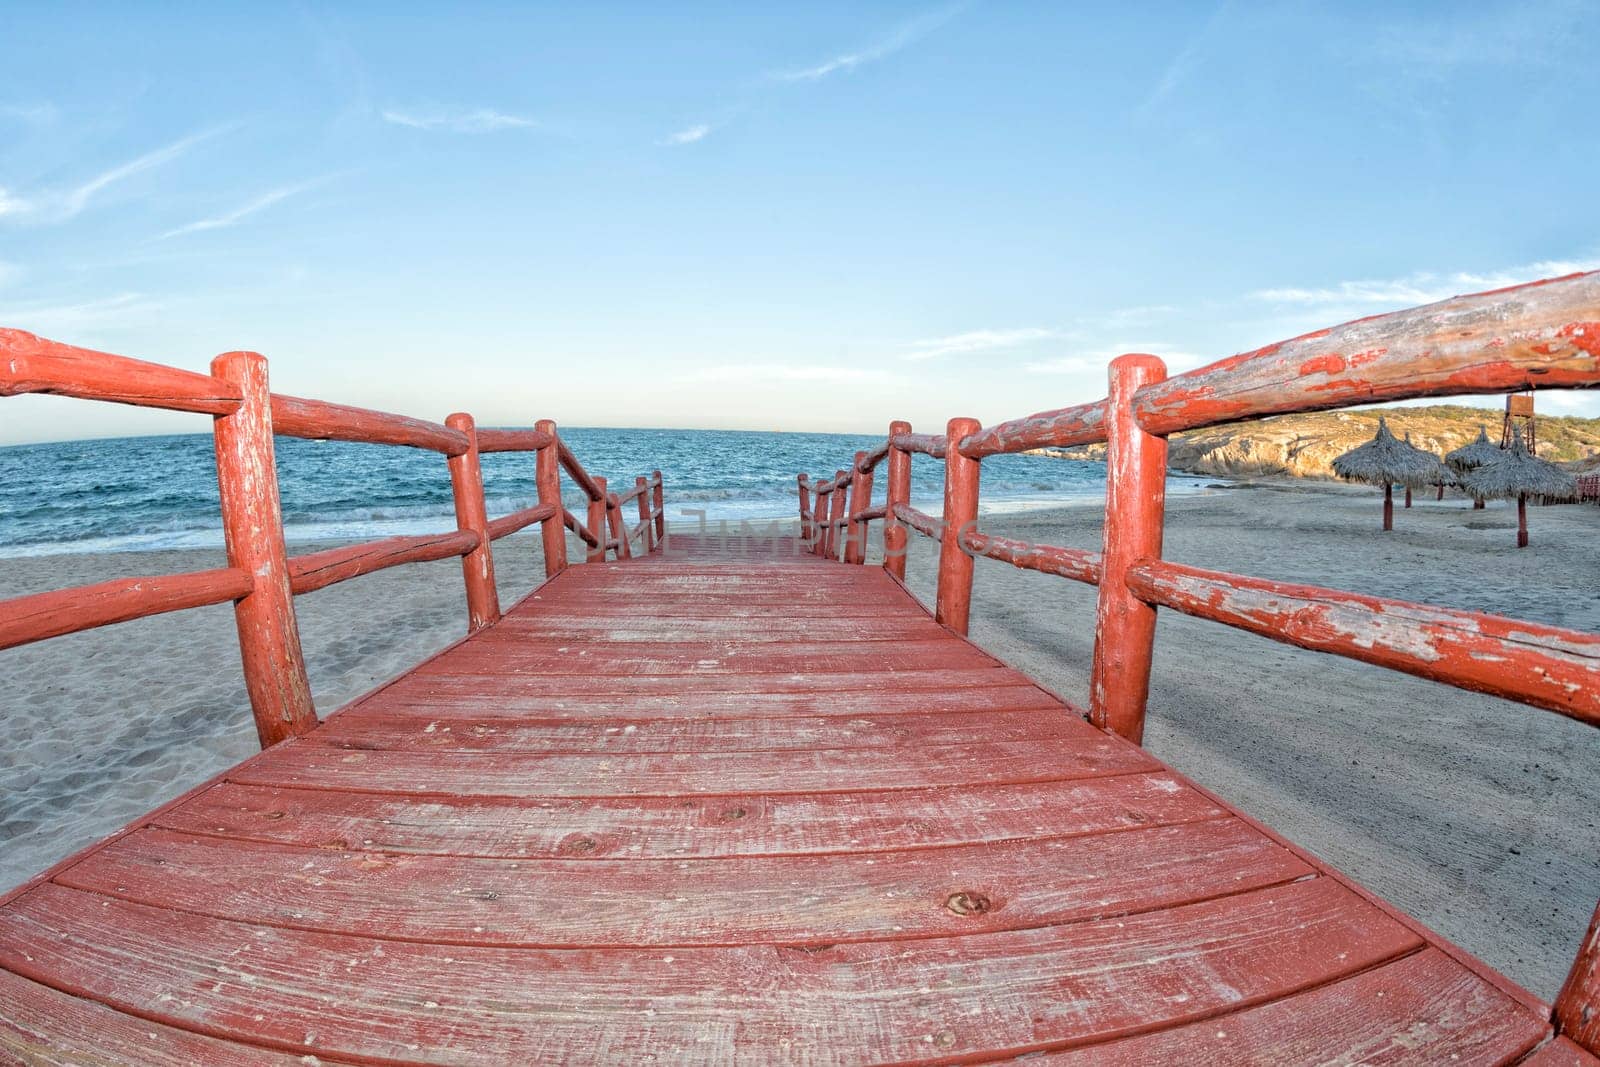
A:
x,y
1386,460
1475,454
1516,472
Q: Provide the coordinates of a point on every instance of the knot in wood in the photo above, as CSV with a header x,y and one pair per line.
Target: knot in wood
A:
x,y
966,902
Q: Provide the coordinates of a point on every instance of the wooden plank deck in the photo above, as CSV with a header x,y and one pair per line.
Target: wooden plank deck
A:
x,y
726,804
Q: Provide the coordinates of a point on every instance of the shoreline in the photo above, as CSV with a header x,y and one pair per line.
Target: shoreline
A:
x,y
1471,813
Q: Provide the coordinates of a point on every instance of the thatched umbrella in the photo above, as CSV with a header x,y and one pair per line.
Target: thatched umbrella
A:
x,y
1441,474
1472,456
1517,473
1387,462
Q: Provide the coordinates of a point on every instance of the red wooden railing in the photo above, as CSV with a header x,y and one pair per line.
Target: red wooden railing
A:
x,y
1540,336
261,578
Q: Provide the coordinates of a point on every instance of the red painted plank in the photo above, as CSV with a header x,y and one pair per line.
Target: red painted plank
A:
x,y
673,827
509,654
370,729
1422,1009
971,996
465,774
635,691
40,1026
642,628
625,902
470,696
25,619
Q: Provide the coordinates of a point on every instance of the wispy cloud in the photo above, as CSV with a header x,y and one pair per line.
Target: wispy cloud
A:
x,y
1176,72
903,35
688,135
66,318
766,373
1095,360
239,214
977,341
61,205
482,120
1421,287
35,114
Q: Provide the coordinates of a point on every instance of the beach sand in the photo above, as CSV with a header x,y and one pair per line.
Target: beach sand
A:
x,y
1476,815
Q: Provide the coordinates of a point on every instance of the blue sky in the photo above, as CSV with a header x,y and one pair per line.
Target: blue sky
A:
x,y
817,217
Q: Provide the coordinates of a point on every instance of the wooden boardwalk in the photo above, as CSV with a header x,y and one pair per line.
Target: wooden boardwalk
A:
x,y
727,803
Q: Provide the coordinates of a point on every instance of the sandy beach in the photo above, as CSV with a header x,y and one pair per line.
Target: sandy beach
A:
x,y
1473,814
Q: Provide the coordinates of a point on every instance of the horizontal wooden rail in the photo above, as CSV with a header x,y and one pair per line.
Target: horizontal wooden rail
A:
x,y
1545,666
319,420
1075,563
63,611
579,476
30,364
512,440
919,521
927,444
639,489
1545,335
318,570
570,521
871,459
510,524
871,514
1081,424
642,527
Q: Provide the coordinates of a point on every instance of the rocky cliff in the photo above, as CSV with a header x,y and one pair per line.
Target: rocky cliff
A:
x,y
1304,446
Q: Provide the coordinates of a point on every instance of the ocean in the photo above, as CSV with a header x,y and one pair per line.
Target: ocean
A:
x,y
148,493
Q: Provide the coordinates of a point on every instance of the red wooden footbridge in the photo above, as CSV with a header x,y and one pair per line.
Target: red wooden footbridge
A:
x,y
736,800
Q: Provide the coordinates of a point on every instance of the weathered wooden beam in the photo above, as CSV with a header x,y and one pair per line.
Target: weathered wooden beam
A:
x,y
591,486
805,509
1136,486
920,521
953,601
547,479
614,521
1544,335
658,506
867,462
923,443
838,508
599,509
1545,666
583,532
31,364
510,524
63,611
472,514
642,488
319,420
1577,1009
1081,424
855,545
897,493
1074,563
318,570
511,440
252,527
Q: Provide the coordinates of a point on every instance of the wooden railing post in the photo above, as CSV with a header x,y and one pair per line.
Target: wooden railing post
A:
x,y
477,566
819,519
642,484
252,527
547,477
598,507
1136,490
659,506
619,533
896,491
805,511
954,600
855,546
1577,1010
838,506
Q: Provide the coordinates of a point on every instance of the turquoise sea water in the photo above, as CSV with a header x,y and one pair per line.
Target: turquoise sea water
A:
x,y
160,492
